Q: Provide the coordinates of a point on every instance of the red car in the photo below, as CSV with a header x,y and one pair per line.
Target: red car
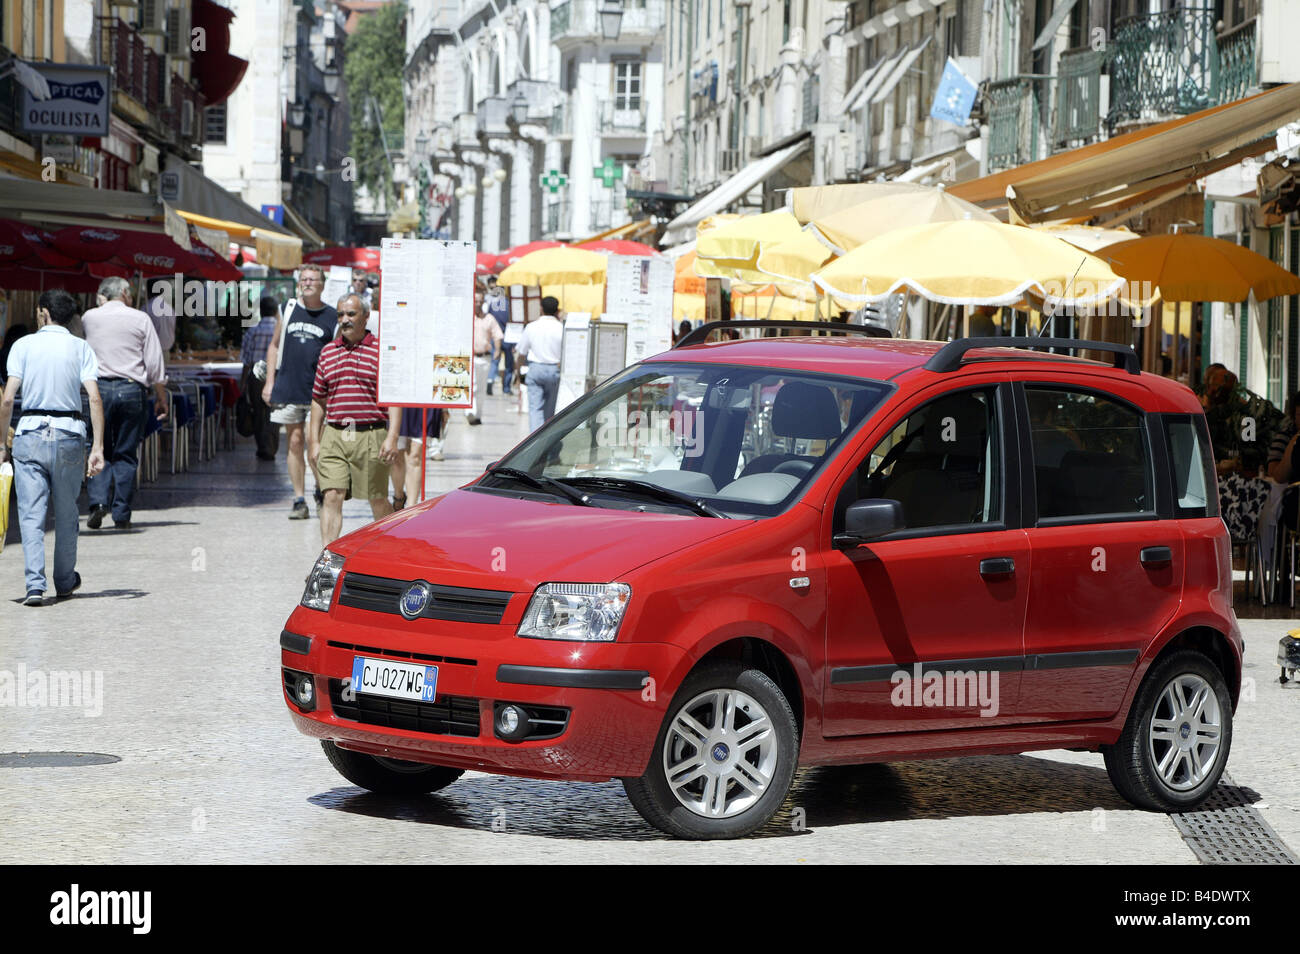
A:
x,y
736,558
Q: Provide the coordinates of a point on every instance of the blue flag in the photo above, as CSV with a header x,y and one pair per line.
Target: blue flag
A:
x,y
955,96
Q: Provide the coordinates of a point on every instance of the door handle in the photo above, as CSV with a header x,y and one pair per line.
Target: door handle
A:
x,y
1156,556
997,566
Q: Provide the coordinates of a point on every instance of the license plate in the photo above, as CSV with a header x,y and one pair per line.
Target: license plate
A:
x,y
383,677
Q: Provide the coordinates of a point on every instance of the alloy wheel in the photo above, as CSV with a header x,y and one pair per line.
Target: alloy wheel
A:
x,y
1186,731
720,753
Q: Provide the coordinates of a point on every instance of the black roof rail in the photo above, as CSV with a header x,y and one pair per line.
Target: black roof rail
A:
x,y
700,334
950,356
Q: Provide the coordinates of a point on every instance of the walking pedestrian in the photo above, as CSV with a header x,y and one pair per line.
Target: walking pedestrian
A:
x,y
417,425
257,341
540,345
130,362
487,341
352,438
308,323
496,304
361,286
49,452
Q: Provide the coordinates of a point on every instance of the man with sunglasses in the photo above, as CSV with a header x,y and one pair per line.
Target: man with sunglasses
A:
x,y
307,325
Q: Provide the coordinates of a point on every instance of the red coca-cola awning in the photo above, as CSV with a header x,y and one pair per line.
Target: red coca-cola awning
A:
x,y
211,265
367,258
213,68
149,253
24,244
22,278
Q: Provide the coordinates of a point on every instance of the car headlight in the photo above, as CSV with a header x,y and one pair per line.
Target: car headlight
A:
x,y
321,580
590,612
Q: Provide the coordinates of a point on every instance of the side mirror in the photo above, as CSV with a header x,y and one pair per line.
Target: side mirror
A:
x,y
867,520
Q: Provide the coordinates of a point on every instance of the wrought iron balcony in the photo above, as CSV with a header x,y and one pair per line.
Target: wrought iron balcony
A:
x,y
579,20
1238,71
1162,64
1078,99
1013,127
137,70
557,219
492,113
620,119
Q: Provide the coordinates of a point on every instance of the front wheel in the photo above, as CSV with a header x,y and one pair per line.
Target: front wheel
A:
x,y
385,776
1175,743
724,757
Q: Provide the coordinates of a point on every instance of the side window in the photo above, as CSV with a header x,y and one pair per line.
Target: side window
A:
x,y
1193,468
943,463
1090,455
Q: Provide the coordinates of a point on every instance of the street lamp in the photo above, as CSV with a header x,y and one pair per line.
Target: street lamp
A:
x,y
297,113
499,175
611,18
330,78
421,143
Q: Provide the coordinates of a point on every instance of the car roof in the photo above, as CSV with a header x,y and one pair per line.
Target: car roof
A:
x,y
893,358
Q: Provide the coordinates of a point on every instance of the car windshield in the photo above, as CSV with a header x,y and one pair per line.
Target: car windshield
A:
x,y
718,440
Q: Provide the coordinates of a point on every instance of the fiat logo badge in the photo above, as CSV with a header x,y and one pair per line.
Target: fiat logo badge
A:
x,y
415,599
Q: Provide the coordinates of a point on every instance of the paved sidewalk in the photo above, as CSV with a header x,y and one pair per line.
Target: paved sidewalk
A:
x,y
181,617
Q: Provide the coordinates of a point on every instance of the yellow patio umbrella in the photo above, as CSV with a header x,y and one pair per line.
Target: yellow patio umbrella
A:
x,y
970,262
579,298
556,266
1189,267
742,239
689,306
848,228
815,202
795,259
685,281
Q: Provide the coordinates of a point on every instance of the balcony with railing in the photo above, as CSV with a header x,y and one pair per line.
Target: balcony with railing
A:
x,y
1013,127
1237,72
622,118
1162,64
137,70
1077,119
557,219
579,21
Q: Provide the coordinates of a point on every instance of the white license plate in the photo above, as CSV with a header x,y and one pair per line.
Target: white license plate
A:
x,y
397,680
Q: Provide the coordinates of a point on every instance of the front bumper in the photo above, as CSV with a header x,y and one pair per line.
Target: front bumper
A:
x,y
613,692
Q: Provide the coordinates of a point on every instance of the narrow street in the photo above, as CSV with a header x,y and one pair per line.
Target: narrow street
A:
x,y
181,615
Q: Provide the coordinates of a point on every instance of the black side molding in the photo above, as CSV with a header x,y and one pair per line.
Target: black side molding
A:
x,y
848,675
1101,657
295,643
572,678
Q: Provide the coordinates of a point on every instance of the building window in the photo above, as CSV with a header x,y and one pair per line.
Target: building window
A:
x,y
627,84
785,21
214,124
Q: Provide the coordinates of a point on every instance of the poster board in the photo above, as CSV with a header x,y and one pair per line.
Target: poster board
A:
x,y
639,292
338,282
426,335
575,350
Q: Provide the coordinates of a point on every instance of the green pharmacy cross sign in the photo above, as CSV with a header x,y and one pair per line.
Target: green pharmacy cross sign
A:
x,y
608,173
553,180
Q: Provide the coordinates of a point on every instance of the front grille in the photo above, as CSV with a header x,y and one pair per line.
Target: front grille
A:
x,y
453,603
402,654
449,715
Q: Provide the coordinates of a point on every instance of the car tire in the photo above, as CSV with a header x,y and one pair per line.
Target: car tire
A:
x,y
726,796
1163,760
385,776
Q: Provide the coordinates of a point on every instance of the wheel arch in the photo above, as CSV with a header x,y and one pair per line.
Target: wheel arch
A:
x,y
766,657
1214,645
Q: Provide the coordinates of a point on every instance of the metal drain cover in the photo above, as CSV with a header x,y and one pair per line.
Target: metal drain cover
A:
x,y
1228,830
55,759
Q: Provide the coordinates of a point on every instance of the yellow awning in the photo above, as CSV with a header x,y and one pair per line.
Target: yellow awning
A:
x,y
275,249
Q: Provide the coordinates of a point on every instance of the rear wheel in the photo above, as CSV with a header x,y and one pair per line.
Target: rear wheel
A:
x,y
724,758
1175,743
386,776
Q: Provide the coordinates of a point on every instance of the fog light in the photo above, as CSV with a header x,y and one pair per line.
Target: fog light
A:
x,y
508,720
306,692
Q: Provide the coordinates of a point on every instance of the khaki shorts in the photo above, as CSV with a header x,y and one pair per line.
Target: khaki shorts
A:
x,y
291,414
349,460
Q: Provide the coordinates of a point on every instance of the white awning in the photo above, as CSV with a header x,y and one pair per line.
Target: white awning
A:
x,y
1059,13
682,228
877,78
899,71
846,104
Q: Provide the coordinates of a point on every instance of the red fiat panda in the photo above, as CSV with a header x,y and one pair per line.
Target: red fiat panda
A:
x,y
740,557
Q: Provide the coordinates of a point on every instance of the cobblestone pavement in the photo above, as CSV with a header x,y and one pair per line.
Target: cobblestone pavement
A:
x,y
181,617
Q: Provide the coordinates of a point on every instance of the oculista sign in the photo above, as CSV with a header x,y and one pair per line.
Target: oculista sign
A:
x,y
78,103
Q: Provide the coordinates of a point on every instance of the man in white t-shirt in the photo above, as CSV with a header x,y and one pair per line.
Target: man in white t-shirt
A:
x,y
540,345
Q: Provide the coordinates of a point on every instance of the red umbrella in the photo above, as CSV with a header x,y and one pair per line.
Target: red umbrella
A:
x,y
21,243
150,253
620,247
484,264
367,258
211,265
512,255
20,278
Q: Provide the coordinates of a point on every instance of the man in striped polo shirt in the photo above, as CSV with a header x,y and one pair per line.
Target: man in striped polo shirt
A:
x,y
351,438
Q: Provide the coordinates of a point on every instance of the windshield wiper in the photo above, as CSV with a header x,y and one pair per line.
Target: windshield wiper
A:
x,y
542,483
650,490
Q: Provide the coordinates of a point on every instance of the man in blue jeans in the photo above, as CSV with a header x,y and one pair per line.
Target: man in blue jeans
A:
x,y
540,346
49,452
496,304
130,361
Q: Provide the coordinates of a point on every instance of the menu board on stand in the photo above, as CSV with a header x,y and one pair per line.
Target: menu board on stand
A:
x,y
639,292
338,282
573,359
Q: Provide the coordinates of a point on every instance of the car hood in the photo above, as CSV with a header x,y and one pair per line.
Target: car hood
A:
x,y
487,541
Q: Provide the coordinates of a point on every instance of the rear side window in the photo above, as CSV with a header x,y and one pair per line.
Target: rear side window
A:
x,y
1091,457
1195,492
